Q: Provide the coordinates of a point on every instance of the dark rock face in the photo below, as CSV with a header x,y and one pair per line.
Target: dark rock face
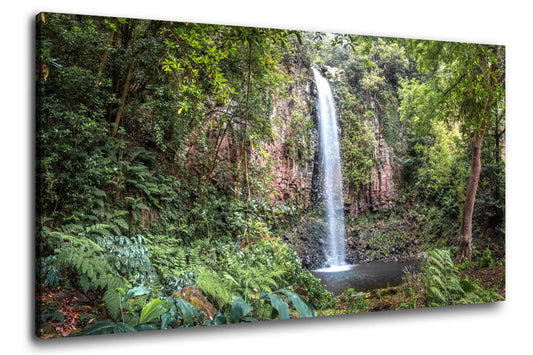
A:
x,y
307,239
290,155
380,192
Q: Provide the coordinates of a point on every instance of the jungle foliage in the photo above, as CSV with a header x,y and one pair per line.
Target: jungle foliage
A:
x,y
152,175
133,193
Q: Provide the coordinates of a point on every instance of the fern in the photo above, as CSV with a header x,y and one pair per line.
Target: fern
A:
x,y
436,297
92,265
469,286
113,303
99,193
194,256
121,222
215,286
72,229
98,229
441,285
238,280
180,259
168,255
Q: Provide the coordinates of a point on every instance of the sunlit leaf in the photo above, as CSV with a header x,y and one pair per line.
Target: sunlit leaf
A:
x,y
153,310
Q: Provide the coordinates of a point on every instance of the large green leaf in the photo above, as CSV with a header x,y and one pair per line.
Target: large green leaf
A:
x,y
122,328
281,306
144,327
239,310
219,319
105,327
154,309
165,320
303,308
134,292
188,312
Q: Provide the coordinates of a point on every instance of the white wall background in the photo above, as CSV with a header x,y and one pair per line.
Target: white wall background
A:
x,y
485,329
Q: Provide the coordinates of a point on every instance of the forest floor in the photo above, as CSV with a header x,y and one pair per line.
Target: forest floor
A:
x,y
60,312
489,277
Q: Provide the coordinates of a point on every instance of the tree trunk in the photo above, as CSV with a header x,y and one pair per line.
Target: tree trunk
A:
x,y
465,239
123,99
245,139
106,54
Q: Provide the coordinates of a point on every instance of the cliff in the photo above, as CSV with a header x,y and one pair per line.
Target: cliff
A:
x,y
380,191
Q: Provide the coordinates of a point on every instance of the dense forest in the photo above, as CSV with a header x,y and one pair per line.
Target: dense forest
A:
x,y
179,184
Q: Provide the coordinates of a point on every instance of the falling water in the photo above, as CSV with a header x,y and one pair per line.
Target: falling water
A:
x,y
331,171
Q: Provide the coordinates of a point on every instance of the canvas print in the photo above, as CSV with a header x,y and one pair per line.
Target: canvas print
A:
x,y
195,174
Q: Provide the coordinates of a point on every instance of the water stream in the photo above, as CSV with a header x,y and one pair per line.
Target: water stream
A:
x,y
331,171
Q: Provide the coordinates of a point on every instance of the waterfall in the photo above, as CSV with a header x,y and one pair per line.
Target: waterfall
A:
x,y
331,171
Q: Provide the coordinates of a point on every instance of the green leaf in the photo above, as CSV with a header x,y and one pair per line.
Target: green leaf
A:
x,y
154,309
281,306
186,310
144,327
165,320
121,223
239,310
122,328
99,193
134,292
468,286
304,309
219,319
106,327
142,206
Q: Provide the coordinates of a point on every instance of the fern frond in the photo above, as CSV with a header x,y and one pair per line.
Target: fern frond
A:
x,y
85,283
98,228
468,286
121,222
211,284
112,300
99,193
437,297
180,259
72,229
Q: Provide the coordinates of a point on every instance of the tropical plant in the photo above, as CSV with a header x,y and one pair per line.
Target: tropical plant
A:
x,y
176,312
439,283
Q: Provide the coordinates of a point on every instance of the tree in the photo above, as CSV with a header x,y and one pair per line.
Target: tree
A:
x,y
470,80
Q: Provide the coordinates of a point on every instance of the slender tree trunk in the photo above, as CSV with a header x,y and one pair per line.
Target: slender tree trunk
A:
x,y
123,99
465,239
245,139
106,54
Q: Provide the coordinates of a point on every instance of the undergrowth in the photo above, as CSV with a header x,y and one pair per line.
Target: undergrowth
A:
x,y
438,283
